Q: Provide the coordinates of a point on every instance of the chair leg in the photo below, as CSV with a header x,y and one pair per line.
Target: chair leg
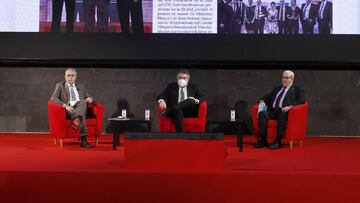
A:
x,y
291,144
55,140
301,143
96,140
61,143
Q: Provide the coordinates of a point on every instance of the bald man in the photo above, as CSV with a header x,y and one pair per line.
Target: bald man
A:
x,y
279,101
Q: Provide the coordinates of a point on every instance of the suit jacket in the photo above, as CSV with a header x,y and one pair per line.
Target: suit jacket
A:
x,y
327,14
240,13
287,11
312,13
171,93
61,94
294,96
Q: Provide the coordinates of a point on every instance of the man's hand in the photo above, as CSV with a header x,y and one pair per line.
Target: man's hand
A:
x,y
286,108
69,109
195,100
162,104
89,100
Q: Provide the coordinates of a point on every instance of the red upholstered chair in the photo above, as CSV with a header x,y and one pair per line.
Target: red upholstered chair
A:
x,y
296,126
60,126
197,124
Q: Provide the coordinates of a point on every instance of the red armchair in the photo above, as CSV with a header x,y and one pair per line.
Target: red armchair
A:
x,y
296,126
197,124
60,127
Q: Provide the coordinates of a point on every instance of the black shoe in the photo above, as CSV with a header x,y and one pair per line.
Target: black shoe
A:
x,y
84,143
275,145
261,144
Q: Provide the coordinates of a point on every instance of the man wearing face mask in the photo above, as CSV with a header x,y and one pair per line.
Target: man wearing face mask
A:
x,y
279,101
180,99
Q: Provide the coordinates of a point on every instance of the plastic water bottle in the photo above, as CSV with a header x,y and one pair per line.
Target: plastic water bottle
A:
x,y
147,114
232,115
123,113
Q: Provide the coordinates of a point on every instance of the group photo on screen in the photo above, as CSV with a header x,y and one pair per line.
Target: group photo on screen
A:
x,y
275,16
125,16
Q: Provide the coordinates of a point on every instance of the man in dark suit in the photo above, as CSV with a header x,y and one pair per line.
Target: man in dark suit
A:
x,y
180,99
279,101
283,11
324,17
57,6
74,98
134,9
260,15
238,8
308,16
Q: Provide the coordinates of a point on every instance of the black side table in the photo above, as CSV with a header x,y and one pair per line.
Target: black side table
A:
x,y
119,126
236,124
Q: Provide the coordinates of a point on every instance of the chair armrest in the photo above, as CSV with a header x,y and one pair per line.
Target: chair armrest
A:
x,y
254,112
99,113
57,118
202,112
297,120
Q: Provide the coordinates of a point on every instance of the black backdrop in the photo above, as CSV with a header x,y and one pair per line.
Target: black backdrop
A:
x,y
166,50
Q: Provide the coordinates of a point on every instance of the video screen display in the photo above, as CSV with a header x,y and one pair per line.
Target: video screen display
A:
x,y
182,16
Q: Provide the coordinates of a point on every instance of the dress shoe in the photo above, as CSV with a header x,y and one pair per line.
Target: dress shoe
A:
x,y
261,144
76,123
275,145
84,143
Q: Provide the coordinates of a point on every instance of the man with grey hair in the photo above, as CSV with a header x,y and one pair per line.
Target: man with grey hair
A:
x,y
74,98
279,101
180,99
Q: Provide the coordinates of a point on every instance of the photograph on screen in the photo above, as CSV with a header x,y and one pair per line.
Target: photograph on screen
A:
x,y
275,17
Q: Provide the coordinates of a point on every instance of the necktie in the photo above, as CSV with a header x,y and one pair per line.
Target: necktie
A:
x,y
182,95
281,13
72,93
258,11
277,101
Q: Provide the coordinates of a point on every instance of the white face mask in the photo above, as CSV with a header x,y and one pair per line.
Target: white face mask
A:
x,y
182,82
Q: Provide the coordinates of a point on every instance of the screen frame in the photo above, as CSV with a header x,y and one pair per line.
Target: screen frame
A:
x,y
164,50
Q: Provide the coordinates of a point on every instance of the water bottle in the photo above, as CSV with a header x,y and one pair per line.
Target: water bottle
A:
x,y
123,113
232,115
147,114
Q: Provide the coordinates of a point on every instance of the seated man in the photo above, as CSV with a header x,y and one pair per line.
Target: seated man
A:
x,y
74,98
180,99
279,101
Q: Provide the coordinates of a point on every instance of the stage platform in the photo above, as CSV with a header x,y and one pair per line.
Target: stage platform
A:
x,y
33,169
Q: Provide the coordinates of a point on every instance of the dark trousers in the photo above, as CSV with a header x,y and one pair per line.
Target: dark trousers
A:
x,y
186,108
263,119
324,27
102,15
259,26
283,29
293,27
308,27
57,10
126,7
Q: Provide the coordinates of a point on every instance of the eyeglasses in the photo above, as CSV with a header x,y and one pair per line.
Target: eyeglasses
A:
x,y
70,75
286,77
